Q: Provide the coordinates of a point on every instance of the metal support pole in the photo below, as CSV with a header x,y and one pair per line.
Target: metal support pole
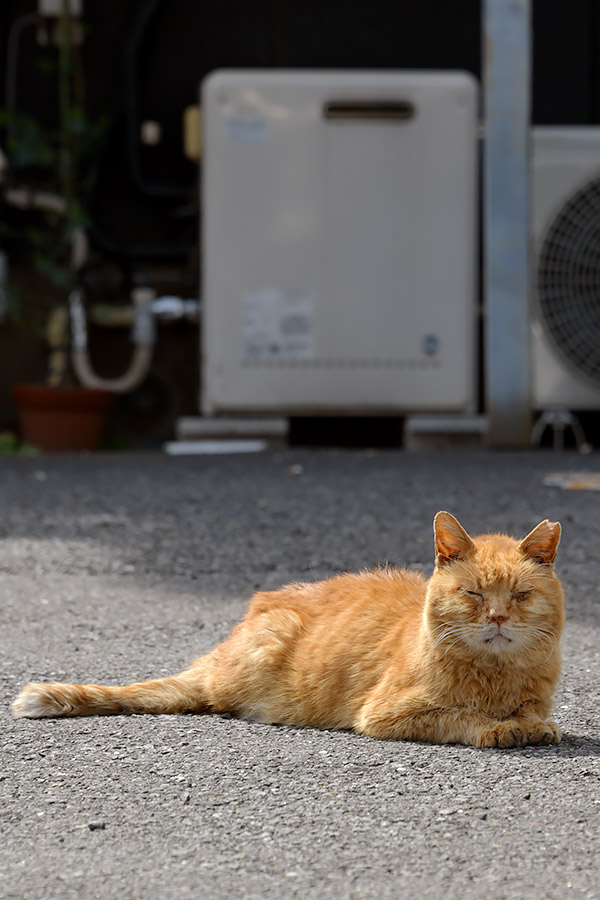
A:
x,y
507,88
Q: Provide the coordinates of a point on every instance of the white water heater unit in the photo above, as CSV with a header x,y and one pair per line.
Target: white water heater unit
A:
x,y
339,242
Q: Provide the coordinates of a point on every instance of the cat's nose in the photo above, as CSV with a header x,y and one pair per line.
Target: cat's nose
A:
x,y
497,617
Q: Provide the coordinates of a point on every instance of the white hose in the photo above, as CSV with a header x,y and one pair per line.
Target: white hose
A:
x,y
137,371
143,337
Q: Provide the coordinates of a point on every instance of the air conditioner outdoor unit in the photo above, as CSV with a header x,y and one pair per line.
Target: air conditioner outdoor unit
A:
x,y
566,233
339,242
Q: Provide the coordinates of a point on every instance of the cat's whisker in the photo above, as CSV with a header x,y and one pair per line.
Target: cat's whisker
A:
x,y
541,646
458,639
552,648
457,632
536,636
450,632
543,637
536,643
542,633
455,625
443,625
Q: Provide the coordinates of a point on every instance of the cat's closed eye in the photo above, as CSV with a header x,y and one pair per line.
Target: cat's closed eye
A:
x,y
475,594
521,595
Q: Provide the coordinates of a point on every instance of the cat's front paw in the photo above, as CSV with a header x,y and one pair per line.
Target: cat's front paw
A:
x,y
504,734
544,733
519,733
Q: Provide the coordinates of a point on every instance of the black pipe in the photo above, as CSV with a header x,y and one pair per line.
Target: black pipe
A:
x,y
130,250
12,55
146,12
126,107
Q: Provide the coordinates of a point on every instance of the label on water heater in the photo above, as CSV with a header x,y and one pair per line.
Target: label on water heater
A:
x,y
278,325
245,129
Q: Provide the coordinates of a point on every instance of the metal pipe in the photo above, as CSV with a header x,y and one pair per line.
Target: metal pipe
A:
x,y
30,198
164,309
507,81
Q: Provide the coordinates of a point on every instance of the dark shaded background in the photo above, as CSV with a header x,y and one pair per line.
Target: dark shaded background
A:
x,y
144,59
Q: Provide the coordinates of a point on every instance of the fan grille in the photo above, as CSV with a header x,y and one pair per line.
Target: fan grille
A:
x,y
568,280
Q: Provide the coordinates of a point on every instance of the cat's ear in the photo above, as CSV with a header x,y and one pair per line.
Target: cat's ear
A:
x,y
542,543
451,540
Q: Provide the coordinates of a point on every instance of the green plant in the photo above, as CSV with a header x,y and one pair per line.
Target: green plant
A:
x,y
10,445
49,173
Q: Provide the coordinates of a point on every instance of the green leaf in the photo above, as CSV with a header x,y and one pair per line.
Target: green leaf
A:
x,y
28,144
60,276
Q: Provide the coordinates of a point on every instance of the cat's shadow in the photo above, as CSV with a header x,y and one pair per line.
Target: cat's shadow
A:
x,y
570,747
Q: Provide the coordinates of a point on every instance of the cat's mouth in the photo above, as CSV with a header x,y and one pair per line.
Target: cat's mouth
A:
x,y
497,637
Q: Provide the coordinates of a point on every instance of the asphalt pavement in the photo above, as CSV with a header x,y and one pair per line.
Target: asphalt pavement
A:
x,y
120,567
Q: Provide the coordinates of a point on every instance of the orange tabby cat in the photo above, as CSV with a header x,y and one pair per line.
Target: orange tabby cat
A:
x,y
470,656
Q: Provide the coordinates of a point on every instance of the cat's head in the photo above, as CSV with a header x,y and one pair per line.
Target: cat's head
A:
x,y
493,597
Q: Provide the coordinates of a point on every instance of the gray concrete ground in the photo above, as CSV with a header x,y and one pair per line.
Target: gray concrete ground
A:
x,y
116,568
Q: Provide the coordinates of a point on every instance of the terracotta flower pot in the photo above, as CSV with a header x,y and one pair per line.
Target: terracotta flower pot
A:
x,y
55,419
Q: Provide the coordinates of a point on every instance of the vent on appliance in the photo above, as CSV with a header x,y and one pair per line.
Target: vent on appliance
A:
x,y
568,280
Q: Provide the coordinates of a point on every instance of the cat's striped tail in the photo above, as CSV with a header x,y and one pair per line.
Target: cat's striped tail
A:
x,y
176,694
